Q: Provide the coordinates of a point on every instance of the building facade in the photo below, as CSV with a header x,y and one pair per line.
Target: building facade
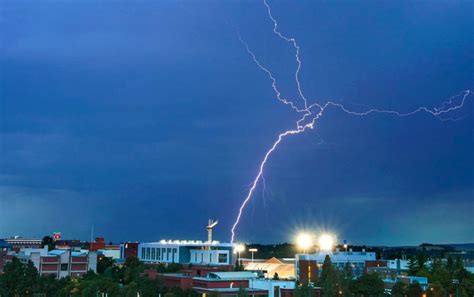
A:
x,y
18,242
308,267
58,263
186,252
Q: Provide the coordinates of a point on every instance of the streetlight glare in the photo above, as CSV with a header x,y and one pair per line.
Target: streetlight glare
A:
x,y
239,248
304,241
326,242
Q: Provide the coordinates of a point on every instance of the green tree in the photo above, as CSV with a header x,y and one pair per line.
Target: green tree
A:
x,y
399,289
28,283
414,290
242,292
345,278
328,279
421,260
436,290
104,263
369,284
49,242
238,266
93,285
302,290
276,276
132,269
412,266
13,271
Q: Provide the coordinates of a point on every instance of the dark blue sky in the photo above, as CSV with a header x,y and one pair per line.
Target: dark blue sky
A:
x,y
145,118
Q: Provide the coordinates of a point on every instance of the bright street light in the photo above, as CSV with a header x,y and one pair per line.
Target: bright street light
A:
x,y
304,241
239,248
326,242
253,250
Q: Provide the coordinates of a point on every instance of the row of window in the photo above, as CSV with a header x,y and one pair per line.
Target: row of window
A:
x,y
221,258
159,254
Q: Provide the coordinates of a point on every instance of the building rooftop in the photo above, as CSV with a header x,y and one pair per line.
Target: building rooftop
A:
x,y
231,275
338,256
190,243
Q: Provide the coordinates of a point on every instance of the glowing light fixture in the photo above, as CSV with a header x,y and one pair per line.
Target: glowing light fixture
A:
x,y
239,248
304,241
326,242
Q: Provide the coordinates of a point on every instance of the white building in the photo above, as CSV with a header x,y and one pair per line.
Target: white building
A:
x,y
272,286
58,263
186,252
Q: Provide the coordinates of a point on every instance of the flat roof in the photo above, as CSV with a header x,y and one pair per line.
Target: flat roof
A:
x,y
230,290
188,243
338,256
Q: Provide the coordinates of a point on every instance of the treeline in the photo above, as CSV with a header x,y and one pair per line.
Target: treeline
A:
x,y
24,280
129,280
440,276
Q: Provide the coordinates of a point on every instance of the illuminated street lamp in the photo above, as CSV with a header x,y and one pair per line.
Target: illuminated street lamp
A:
x,y
253,250
239,249
326,242
304,241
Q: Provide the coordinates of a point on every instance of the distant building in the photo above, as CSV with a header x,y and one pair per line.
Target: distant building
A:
x,y
422,281
18,242
186,252
58,263
4,248
284,268
69,243
106,250
229,283
308,267
128,249
387,269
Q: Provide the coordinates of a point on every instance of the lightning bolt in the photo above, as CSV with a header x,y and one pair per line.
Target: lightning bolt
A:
x,y
314,115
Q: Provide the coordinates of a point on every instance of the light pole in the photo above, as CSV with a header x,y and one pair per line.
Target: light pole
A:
x,y
456,282
253,250
238,249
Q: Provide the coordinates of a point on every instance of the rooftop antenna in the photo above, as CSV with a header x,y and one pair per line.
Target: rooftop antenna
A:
x,y
211,224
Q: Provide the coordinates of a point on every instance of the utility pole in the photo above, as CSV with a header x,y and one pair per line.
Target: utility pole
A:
x,y
456,283
253,250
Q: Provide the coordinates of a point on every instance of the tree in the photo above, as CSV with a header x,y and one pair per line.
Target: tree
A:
x,y
98,284
275,276
302,290
238,266
421,262
399,289
328,279
345,277
49,242
13,272
369,284
414,290
412,266
132,269
104,263
242,292
28,283
436,290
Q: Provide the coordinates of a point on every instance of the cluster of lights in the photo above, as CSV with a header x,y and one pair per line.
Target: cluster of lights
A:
x,y
306,240
163,241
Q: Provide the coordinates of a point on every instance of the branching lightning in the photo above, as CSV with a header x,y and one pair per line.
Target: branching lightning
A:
x,y
316,110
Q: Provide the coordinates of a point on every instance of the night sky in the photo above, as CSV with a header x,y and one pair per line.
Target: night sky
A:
x,y
146,118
